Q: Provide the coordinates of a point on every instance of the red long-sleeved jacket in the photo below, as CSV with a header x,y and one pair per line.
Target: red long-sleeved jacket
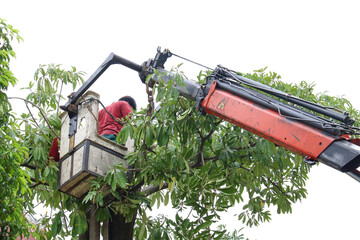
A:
x,y
107,125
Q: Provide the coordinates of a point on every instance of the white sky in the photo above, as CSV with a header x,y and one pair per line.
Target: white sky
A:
x,y
316,41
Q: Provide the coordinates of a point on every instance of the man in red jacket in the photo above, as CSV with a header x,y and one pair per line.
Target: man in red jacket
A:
x,y
110,120
109,127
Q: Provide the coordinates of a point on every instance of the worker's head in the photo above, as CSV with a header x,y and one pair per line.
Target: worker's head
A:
x,y
130,101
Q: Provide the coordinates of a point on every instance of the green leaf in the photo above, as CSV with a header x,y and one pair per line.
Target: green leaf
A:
x,y
166,199
55,121
46,172
38,139
100,198
56,224
162,136
102,214
228,190
123,135
184,114
78,222
160,94
258,170
121,179
48,88
141,231
39,153
149,136
156,234
204,225
90,196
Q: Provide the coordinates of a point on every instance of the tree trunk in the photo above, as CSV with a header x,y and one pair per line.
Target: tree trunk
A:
x,y
93,231
118,229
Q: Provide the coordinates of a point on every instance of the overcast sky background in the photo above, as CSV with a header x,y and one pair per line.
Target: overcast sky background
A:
x,y
315,41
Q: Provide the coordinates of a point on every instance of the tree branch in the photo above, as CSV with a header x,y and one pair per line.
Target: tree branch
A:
x,y
41,112
62,206
266,179
32,115
200,155
134,169
37,184
137,186
153,189
28,166
276,186
213,158
58,107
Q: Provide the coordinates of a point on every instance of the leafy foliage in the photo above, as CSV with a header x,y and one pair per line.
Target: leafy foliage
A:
x,y
41,125
26,174
199,165
13,180
209,166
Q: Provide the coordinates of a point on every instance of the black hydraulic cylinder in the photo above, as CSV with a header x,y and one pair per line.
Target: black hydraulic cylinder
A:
x,y
309,105
188,89
284,109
